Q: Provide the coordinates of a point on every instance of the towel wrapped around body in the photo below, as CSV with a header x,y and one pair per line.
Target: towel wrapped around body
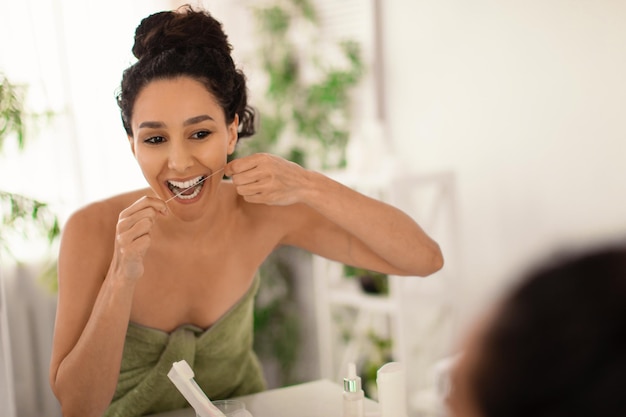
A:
x,y
222,358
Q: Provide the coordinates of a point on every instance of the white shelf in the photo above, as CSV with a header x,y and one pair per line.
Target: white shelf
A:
x,y
429,199
352,296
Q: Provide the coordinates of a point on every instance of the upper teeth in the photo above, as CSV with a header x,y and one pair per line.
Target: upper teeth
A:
x,y
186,184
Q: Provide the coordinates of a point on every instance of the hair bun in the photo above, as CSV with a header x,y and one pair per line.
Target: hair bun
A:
x,y
175,29
146,31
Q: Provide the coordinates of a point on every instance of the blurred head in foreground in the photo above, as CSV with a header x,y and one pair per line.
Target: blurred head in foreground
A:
x,y
555,346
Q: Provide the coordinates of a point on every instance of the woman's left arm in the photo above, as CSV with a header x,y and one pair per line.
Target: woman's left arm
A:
x,y
335,221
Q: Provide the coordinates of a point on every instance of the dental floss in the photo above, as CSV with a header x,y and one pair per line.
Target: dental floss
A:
x,y
390,381
182,375
195,185
353,394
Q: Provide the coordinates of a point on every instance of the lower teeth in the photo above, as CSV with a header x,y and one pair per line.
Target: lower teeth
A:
x,y
195,193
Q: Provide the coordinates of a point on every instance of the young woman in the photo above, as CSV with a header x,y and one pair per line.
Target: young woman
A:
x,y
168,273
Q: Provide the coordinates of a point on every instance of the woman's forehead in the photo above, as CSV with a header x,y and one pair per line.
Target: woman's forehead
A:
x,y
175,98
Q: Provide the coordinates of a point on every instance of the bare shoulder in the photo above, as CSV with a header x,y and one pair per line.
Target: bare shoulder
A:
x,y
101,215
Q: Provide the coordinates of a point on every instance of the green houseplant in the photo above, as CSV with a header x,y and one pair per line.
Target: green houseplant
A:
x,y
305,120
22,217
305,108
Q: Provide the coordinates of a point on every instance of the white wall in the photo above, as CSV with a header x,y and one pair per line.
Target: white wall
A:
x,y
524,102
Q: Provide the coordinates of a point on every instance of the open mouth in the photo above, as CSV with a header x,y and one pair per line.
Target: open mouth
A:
x,y
186,190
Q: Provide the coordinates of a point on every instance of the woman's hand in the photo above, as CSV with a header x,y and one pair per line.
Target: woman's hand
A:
x,y
267,179
132,235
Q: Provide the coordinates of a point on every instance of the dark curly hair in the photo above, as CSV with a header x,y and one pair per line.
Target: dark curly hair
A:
x,y
186,42
557,347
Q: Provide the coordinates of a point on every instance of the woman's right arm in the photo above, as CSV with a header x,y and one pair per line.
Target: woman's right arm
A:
x,y
99,264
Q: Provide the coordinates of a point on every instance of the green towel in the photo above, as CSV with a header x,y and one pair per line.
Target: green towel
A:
x,y
222,358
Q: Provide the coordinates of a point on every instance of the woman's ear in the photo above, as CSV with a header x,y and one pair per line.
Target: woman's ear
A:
x,y
233,134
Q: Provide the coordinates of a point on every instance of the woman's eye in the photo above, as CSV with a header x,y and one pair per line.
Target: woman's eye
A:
x,y
201,134
154,140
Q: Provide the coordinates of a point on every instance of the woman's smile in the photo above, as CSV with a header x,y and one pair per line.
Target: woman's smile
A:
x,y
187,190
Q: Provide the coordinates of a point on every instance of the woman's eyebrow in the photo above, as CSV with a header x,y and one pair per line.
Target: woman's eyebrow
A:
x,y
190,121
197,119
151,125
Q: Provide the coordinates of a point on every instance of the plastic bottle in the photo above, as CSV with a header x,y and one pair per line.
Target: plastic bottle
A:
x,y
352,394
390,380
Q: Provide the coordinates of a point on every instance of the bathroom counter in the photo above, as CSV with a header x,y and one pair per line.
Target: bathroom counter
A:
x,y
320,398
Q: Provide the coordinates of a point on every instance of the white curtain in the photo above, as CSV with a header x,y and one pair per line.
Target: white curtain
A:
x,y
7,389
29,314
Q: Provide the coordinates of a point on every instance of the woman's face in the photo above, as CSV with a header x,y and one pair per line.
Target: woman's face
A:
x,y
180,136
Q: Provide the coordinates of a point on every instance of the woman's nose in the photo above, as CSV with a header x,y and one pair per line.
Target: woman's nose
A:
x,y
180,158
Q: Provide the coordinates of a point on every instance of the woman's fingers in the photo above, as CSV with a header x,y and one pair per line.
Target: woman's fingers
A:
x,y
248,170
242,165
266,179
133,234
128,233
146,216
155,204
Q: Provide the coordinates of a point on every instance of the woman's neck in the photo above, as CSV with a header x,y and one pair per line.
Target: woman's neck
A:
x,y
199,221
